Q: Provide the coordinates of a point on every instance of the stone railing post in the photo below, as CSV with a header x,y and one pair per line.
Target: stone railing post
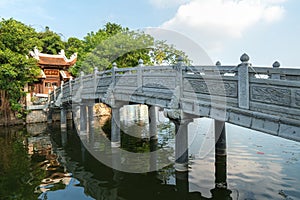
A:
x,y
179,81
243,82
70,88
54,94
95,79
113,74
140,75
62,89
276,74
81,78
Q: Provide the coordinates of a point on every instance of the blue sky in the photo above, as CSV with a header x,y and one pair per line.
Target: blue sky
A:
x,y
268,30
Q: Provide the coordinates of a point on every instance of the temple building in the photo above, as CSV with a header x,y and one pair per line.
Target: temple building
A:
x,y
54,71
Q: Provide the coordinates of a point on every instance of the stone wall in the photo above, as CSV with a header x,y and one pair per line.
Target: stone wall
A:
x,y
36,116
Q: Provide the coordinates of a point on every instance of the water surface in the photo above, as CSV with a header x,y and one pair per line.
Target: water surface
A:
x,y
43,162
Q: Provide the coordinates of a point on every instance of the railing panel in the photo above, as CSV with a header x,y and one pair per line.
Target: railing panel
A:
x,y
276,92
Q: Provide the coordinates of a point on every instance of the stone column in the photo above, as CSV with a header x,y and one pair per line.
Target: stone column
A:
x,y
152,122
49,116
115,129
181,145
220,138
64,136
220,191
153,137
90,119
63,118
83,120
181,121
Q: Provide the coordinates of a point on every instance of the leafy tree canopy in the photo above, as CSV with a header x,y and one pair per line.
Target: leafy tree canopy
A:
x,y
16,68
51,41
116,44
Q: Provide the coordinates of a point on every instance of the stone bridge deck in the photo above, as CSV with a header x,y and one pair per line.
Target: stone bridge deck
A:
x,y
266,99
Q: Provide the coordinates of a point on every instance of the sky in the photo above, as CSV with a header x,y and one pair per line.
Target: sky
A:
x,y
267,30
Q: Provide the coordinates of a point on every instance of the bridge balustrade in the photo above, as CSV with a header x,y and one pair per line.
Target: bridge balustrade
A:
x,y
261,98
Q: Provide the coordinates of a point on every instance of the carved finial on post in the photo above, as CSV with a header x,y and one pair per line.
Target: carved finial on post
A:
x,y
276,64
113,73
114,65
180,60
245,58
140,75
95,70
218,63
141,62
179,64
276,73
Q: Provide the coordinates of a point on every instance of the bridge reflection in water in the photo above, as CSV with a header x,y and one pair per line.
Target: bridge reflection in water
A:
x,y
259,166
165,183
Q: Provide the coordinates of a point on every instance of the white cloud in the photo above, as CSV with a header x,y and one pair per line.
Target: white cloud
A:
x,y
167,3
211,22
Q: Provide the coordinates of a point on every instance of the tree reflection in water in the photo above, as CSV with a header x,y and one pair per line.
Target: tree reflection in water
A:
x,y
58,161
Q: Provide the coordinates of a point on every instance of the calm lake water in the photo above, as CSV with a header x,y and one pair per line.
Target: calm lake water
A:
x,y
43,162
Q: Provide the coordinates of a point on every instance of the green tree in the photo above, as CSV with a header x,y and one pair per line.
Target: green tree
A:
x,y
75,45
124,48
51,41
16,68
116,44
162,53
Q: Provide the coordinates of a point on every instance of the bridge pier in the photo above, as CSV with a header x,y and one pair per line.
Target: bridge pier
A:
x,y
220,138
152,122
115,127
181,121
181,145
63,118
220,190
64,136
83,120
90,112
152,111
49,116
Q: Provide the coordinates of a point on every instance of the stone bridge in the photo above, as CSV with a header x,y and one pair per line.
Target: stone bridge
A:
x,y
266,99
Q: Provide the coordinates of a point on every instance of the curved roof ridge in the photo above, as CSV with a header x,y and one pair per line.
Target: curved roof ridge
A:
x,y
59,59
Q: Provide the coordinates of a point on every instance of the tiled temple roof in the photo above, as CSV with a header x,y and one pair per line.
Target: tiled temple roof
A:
x,y
54,60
